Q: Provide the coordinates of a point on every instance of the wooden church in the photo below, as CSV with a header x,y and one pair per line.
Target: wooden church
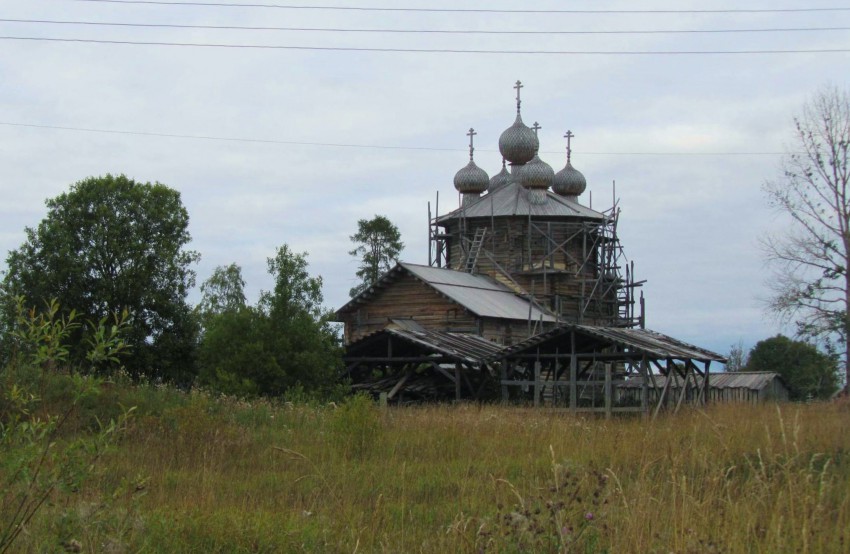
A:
x,y
526,298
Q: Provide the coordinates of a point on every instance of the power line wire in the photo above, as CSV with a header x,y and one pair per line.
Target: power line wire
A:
x,y
413,31
360,146
460,10
430,50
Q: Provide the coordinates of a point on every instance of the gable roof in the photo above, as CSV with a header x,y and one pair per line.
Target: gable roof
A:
x,y
512,200
480,294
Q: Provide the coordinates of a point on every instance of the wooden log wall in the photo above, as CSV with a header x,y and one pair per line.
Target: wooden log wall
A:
x,y
408,298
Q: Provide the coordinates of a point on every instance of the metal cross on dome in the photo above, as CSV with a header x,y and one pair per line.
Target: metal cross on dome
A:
x,y
471,134
518,86
536,128
569,136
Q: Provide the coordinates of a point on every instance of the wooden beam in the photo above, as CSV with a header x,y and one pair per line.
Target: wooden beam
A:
x,y
398,385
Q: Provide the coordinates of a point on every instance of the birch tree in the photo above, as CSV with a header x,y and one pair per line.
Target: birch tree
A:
x,y
811,283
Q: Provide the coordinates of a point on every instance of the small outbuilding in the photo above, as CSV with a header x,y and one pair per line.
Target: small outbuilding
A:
x,y
750,387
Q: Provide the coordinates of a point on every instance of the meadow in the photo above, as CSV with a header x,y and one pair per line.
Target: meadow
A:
x,y
189,472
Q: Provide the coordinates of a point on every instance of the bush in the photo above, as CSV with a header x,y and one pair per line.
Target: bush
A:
x,y
36,464
355,426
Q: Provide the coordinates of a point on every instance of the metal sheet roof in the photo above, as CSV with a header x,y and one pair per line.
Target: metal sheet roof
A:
x,y
656,345
512,200
479,294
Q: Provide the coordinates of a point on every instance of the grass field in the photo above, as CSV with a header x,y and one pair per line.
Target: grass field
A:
x,y
190,473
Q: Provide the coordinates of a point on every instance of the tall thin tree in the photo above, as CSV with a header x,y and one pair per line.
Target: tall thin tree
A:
x,y
811,281
378,243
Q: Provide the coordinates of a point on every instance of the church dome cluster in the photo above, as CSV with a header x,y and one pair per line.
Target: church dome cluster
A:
x,y
520,146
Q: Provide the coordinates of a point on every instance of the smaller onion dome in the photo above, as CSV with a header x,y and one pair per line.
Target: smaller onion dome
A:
x,y
569,181
500,179
537,174
471,180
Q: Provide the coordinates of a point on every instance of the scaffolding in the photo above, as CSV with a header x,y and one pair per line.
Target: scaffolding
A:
x,y
574,267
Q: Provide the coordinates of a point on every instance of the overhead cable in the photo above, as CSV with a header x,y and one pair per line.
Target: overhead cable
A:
x,y
461,10
350,145
419,31
429,50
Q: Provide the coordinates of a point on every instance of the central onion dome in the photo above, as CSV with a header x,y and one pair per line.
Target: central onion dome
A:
x,y
518,143
471,180
569,181
501,178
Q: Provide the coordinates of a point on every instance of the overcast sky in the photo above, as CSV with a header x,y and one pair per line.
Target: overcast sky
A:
x,y
689,138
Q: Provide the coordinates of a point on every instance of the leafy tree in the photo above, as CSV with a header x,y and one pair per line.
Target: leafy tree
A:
x,y
811,261
736,359
378,246
283,343
110,245
808,372
223,291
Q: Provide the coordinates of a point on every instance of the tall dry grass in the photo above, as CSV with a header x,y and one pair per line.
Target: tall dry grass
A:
x,y
205,475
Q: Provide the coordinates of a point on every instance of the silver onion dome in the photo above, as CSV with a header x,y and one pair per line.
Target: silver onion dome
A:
x,y
537,174
471,179
501,178
569,181
518,143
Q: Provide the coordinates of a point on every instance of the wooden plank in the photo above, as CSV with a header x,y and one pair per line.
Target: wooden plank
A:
x,y
398,385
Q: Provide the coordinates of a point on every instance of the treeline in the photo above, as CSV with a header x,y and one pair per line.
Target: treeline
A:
x,y
112,246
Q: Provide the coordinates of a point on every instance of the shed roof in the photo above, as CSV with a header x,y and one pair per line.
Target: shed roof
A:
x,y
752,380
512,200
461,347
480,294
654,344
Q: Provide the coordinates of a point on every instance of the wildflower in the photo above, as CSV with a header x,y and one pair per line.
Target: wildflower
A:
x,y
588,516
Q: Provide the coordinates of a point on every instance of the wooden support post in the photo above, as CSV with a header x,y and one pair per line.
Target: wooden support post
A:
x,y
706,385
663,396
644,396
608,390
537,384
503,371
684,392
573,373
457,382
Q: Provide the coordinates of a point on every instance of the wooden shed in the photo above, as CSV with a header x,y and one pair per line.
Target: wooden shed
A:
x,y
750,387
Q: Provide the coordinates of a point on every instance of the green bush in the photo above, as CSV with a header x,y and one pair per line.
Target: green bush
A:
x,y
38,462
355,426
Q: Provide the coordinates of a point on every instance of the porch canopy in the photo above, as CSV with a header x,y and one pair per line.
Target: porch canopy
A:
x,y
404,357
582,366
